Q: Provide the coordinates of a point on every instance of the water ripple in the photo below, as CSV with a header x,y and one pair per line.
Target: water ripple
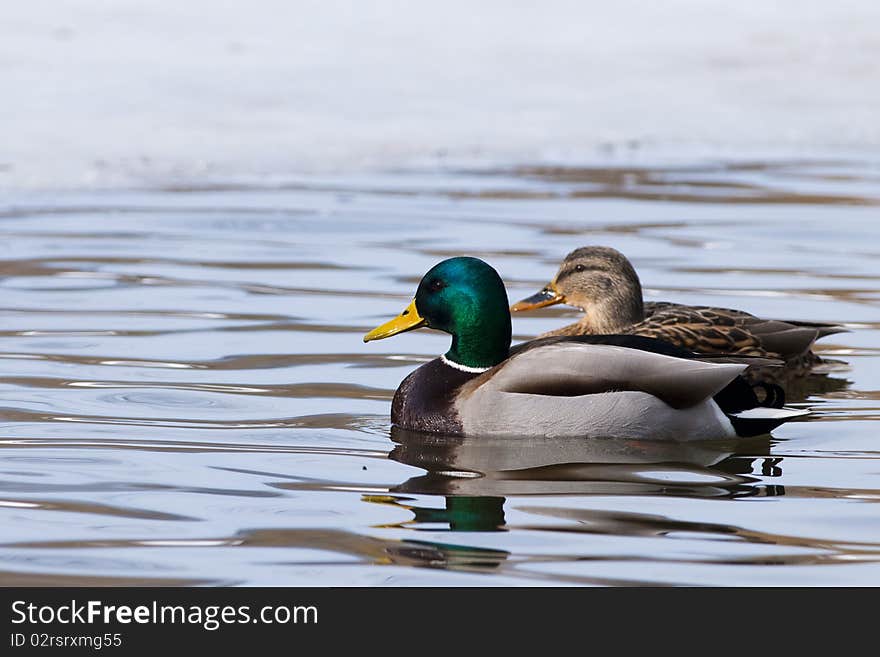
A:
x,y
185,390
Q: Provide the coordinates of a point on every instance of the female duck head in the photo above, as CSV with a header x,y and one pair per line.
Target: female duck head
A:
x,y
600,281
466,298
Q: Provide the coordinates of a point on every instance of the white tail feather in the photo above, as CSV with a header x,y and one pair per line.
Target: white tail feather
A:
x,y
764,413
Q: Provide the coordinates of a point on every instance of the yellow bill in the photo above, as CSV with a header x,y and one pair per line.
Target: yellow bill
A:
x,y
548,296
408,320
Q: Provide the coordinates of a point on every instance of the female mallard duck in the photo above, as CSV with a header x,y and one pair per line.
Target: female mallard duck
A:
x,y
584,386
601,281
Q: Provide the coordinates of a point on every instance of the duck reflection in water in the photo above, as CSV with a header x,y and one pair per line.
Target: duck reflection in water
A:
x,y
486,467
461,513
475,476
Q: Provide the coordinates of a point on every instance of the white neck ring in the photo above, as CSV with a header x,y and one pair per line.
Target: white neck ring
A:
x,y
463,368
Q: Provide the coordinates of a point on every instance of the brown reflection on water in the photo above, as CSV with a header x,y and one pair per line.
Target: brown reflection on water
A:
x,y
693,184
365,550
14,579
640,524
686,184
233,362
74,506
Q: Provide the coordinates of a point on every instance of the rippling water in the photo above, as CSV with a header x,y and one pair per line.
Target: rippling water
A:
x,y
186,398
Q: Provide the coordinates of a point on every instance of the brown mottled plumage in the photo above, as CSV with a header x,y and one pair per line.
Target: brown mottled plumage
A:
x,y
602,282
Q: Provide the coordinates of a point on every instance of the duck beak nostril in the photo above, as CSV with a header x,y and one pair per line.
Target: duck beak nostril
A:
x,y
548,296
407,320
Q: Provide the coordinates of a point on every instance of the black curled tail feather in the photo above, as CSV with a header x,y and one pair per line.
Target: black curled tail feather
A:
x,y
736,396
739,395
774,395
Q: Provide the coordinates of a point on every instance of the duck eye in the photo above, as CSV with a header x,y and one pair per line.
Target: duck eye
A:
x,y
579,268
436,285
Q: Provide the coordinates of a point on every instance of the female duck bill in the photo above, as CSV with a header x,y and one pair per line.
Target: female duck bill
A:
x,y
548,296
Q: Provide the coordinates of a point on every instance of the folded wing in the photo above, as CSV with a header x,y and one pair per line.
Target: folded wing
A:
x,y
573,369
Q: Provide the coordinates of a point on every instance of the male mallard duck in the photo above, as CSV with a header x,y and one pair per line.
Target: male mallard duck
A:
x,y
601,281
583,386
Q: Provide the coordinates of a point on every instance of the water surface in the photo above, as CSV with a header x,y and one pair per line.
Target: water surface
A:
x,y
186,398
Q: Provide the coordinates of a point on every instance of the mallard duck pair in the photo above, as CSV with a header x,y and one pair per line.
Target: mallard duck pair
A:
x,y
587,386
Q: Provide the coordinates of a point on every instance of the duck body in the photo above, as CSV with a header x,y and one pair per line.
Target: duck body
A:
x,y
602,282
598,387
617,386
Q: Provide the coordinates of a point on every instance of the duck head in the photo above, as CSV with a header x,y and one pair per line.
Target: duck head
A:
x,y
464,297
600,281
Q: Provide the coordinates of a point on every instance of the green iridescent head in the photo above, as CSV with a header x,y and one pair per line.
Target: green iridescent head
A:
x,y
466,298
